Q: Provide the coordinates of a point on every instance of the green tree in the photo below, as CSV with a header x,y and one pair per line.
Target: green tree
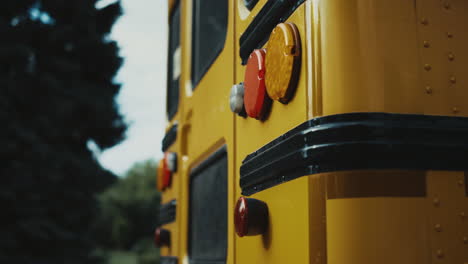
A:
x,y
129,210
57,66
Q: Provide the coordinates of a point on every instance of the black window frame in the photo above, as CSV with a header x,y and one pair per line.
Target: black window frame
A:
x,y
199,68
211,162
173,86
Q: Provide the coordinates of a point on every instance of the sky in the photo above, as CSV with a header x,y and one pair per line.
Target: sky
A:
x,y
142,36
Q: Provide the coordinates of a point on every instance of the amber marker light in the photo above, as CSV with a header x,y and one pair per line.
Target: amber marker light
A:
x,y
282,62
256,101
250,217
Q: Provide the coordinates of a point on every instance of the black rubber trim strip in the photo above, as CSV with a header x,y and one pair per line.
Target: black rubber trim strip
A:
x,y
358,141
168,260
258,31
170,137
250,4
167,213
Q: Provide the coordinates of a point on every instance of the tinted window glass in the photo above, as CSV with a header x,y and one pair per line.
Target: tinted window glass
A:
x,y
173,67
208,211
209,33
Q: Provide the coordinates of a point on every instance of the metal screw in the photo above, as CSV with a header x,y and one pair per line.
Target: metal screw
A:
x,y
440,253
436,201
455,110
451,57
427,67
438,227
424,21
465,240
460,183
462,215
428,90
449,35
453,79
447,5
426,44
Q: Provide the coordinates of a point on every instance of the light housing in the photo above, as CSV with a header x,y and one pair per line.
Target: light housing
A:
x,y
250,217
162,237
166,167
282,62
236,99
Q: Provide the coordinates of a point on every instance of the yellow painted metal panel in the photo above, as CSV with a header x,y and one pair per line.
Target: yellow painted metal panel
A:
x,y
447,205
287,238
377,230
392,56
206,123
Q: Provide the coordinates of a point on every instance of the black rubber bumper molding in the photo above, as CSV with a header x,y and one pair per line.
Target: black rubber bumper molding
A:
x,y
358,141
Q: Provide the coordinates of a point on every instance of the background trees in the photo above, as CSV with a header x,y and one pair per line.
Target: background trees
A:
x,y
128,214
57,65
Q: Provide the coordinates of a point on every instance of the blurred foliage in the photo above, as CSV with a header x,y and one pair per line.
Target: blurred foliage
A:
x,y
128,214
57,66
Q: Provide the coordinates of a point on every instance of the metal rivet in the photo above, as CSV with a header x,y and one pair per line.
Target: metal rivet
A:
x,y
462,215
465,240
424,21
447,5
428,90
426,44
451,57
460,183
440,253
438,227
455,110
449,35
436,201
453,79
427,67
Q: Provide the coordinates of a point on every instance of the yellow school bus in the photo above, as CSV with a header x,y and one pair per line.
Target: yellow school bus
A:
x,y
315,131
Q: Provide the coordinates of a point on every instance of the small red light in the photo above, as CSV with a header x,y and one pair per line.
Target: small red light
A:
x,y
167,173
250,217
240,217
161,237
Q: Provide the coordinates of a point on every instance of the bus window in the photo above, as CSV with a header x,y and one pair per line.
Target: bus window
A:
x,y
174,63
208,34
208,211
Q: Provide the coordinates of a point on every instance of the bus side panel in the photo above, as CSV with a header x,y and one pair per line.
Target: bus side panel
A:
x,y
393,56
287,239
408,217
207,124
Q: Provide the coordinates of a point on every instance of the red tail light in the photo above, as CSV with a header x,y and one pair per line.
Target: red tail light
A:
x,y
162,237
167,167
250,217
256,100
167,174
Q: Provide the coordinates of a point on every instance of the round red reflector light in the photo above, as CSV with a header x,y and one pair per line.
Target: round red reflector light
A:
x,y
250,217
256,100
161,237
